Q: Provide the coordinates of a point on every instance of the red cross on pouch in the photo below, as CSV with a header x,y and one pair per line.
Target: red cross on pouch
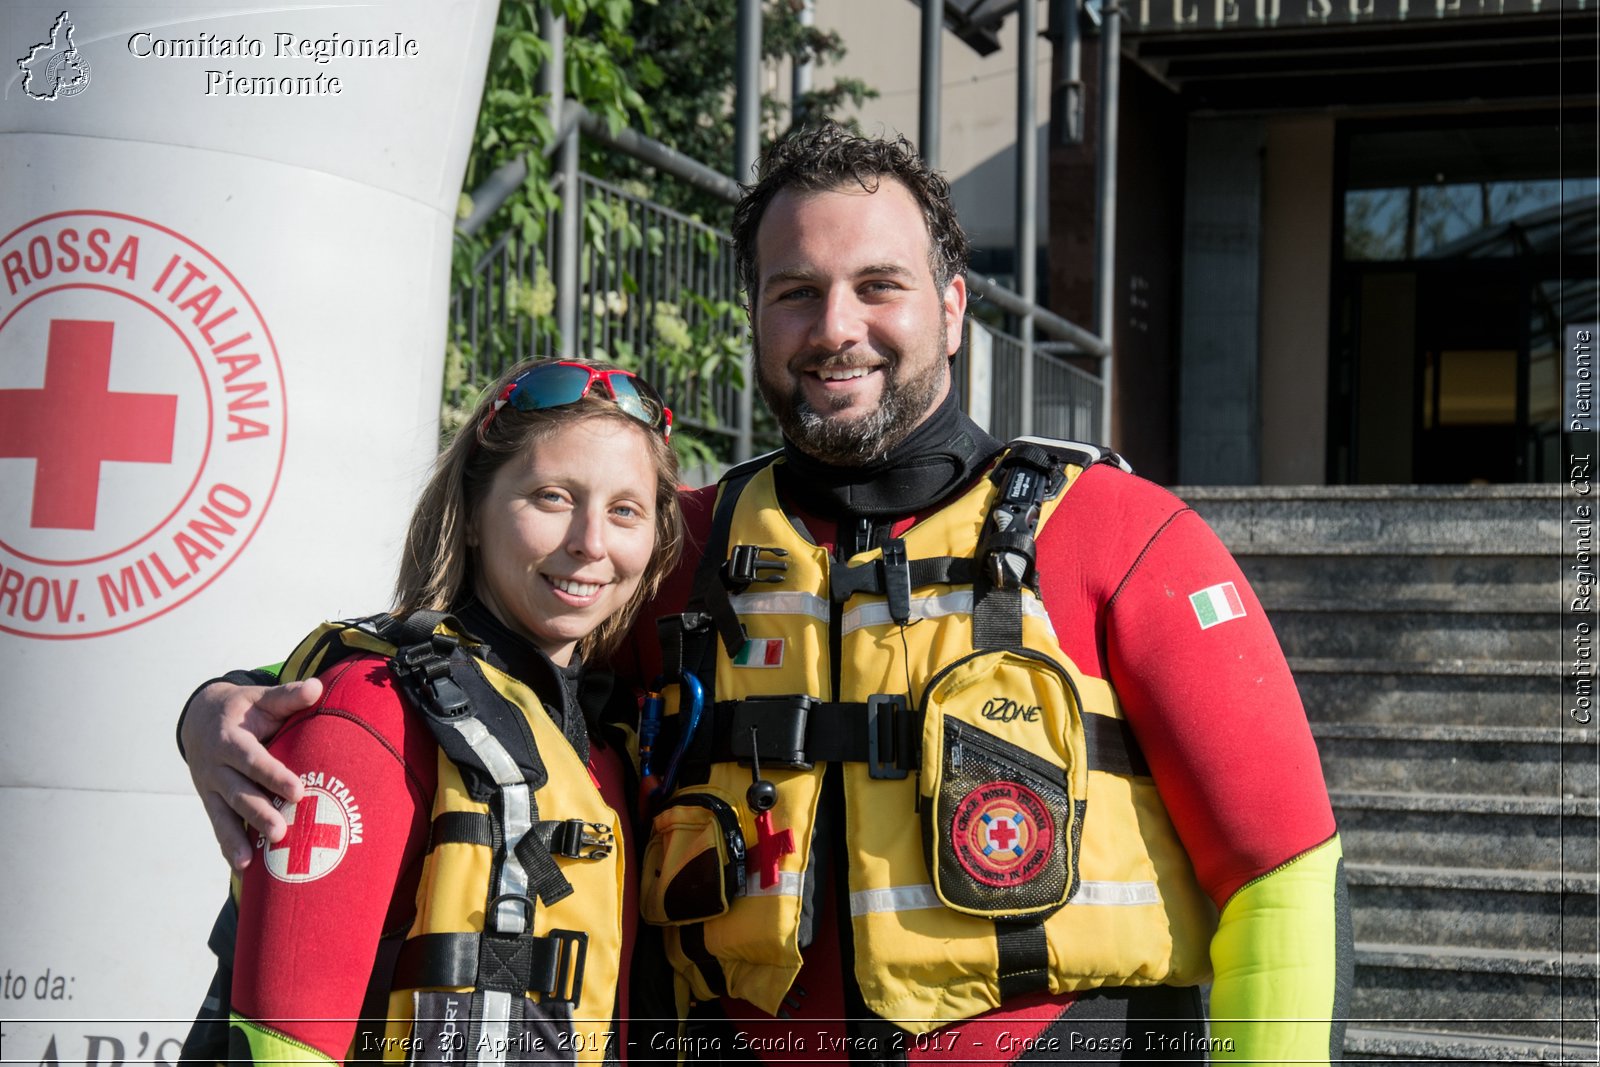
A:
x,y
1002,833
770,848
76,423
306,833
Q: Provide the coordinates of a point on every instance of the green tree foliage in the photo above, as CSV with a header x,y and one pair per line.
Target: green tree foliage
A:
x,y
667,69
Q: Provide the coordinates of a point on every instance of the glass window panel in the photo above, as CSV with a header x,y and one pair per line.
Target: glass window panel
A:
x,y
1509,201
1375,224
1446,214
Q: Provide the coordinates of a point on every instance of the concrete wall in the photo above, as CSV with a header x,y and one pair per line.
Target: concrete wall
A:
x,y
1296,258
978,124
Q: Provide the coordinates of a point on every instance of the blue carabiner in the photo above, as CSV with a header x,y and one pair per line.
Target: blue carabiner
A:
x,y
692,694
650,728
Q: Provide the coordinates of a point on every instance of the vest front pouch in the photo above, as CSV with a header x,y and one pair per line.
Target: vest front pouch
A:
x,y
1004,781
694,862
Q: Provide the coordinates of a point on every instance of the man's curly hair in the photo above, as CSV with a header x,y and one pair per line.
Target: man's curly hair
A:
x,y
825,157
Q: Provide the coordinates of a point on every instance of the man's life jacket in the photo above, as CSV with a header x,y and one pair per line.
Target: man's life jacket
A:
x,y
515,947
1001,833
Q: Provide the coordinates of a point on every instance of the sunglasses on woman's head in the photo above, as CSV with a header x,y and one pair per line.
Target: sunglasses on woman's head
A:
x,y
557,383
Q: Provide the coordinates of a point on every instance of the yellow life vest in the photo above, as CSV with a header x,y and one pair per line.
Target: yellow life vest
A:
x,y
1002,835
515,949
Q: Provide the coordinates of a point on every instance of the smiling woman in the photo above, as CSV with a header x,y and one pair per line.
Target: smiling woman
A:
x,y
457,803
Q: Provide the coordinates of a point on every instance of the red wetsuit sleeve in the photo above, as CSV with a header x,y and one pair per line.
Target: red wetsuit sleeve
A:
x,y
314,906
1202,680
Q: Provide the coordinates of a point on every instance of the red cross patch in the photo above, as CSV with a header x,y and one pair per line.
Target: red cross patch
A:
x,y
318,838
1002,834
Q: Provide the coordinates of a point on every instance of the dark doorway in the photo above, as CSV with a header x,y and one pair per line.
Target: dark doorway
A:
x,y
1465,245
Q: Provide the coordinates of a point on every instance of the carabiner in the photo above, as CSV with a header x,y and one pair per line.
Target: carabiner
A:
x,y
691,702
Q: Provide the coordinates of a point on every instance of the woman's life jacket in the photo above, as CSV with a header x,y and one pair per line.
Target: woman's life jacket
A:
x,y
998,828
514,951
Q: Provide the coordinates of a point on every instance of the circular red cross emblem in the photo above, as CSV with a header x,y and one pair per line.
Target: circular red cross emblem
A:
x,y
142,423
317,839
1002,834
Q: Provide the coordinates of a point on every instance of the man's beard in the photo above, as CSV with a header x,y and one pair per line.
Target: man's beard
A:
x,y
857,442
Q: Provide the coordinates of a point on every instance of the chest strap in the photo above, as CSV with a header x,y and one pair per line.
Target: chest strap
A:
x,y
551,966
797,732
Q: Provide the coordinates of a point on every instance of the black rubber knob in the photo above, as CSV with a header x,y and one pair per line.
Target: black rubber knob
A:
x,y
761,796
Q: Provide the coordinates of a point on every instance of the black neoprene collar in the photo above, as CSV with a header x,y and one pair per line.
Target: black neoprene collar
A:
x,y
942,455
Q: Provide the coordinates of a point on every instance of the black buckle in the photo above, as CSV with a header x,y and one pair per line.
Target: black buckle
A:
x,y
781,723
425,668
579,840
746,565
897,580
888,736
571,953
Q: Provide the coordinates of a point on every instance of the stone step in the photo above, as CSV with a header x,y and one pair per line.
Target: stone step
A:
x,y
1417,630
1506,760
1368,1043
1443,518
1500,992
1444,830
1464,692
1491,579
1476,908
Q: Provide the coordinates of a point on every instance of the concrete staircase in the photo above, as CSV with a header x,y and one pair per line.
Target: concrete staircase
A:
x,y
1424,627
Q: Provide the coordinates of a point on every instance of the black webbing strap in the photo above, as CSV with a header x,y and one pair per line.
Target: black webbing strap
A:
x,y
1024,958
545,879
1111,746
805,731
799,730
710,596
417,672
572,838
869,577
692,941
461,828
551,966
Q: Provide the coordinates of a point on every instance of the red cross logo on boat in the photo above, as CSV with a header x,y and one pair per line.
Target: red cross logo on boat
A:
x,y
76,423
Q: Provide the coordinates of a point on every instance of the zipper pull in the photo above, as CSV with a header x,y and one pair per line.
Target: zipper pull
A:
x,y
955,747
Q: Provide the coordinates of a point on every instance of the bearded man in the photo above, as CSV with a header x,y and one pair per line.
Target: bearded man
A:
x,y
1014,753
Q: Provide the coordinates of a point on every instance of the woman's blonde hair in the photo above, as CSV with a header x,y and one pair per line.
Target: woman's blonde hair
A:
x,y
436,565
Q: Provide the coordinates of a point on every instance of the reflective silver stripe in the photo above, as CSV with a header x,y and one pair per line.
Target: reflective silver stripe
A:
x,y
920,897
790,603
897,898
1116,894
789,885
494,1038
516,817
932,607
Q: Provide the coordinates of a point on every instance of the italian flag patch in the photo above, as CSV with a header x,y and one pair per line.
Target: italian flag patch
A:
x,y
1217,604
760,652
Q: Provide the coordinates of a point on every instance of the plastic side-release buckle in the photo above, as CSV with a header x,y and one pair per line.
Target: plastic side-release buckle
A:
x,y
746,565
425,668
888,736
782,723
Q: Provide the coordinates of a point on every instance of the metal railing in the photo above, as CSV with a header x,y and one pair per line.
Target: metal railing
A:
x,y
649,282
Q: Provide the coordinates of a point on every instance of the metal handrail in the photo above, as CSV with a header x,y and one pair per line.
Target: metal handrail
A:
x,y
576,121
